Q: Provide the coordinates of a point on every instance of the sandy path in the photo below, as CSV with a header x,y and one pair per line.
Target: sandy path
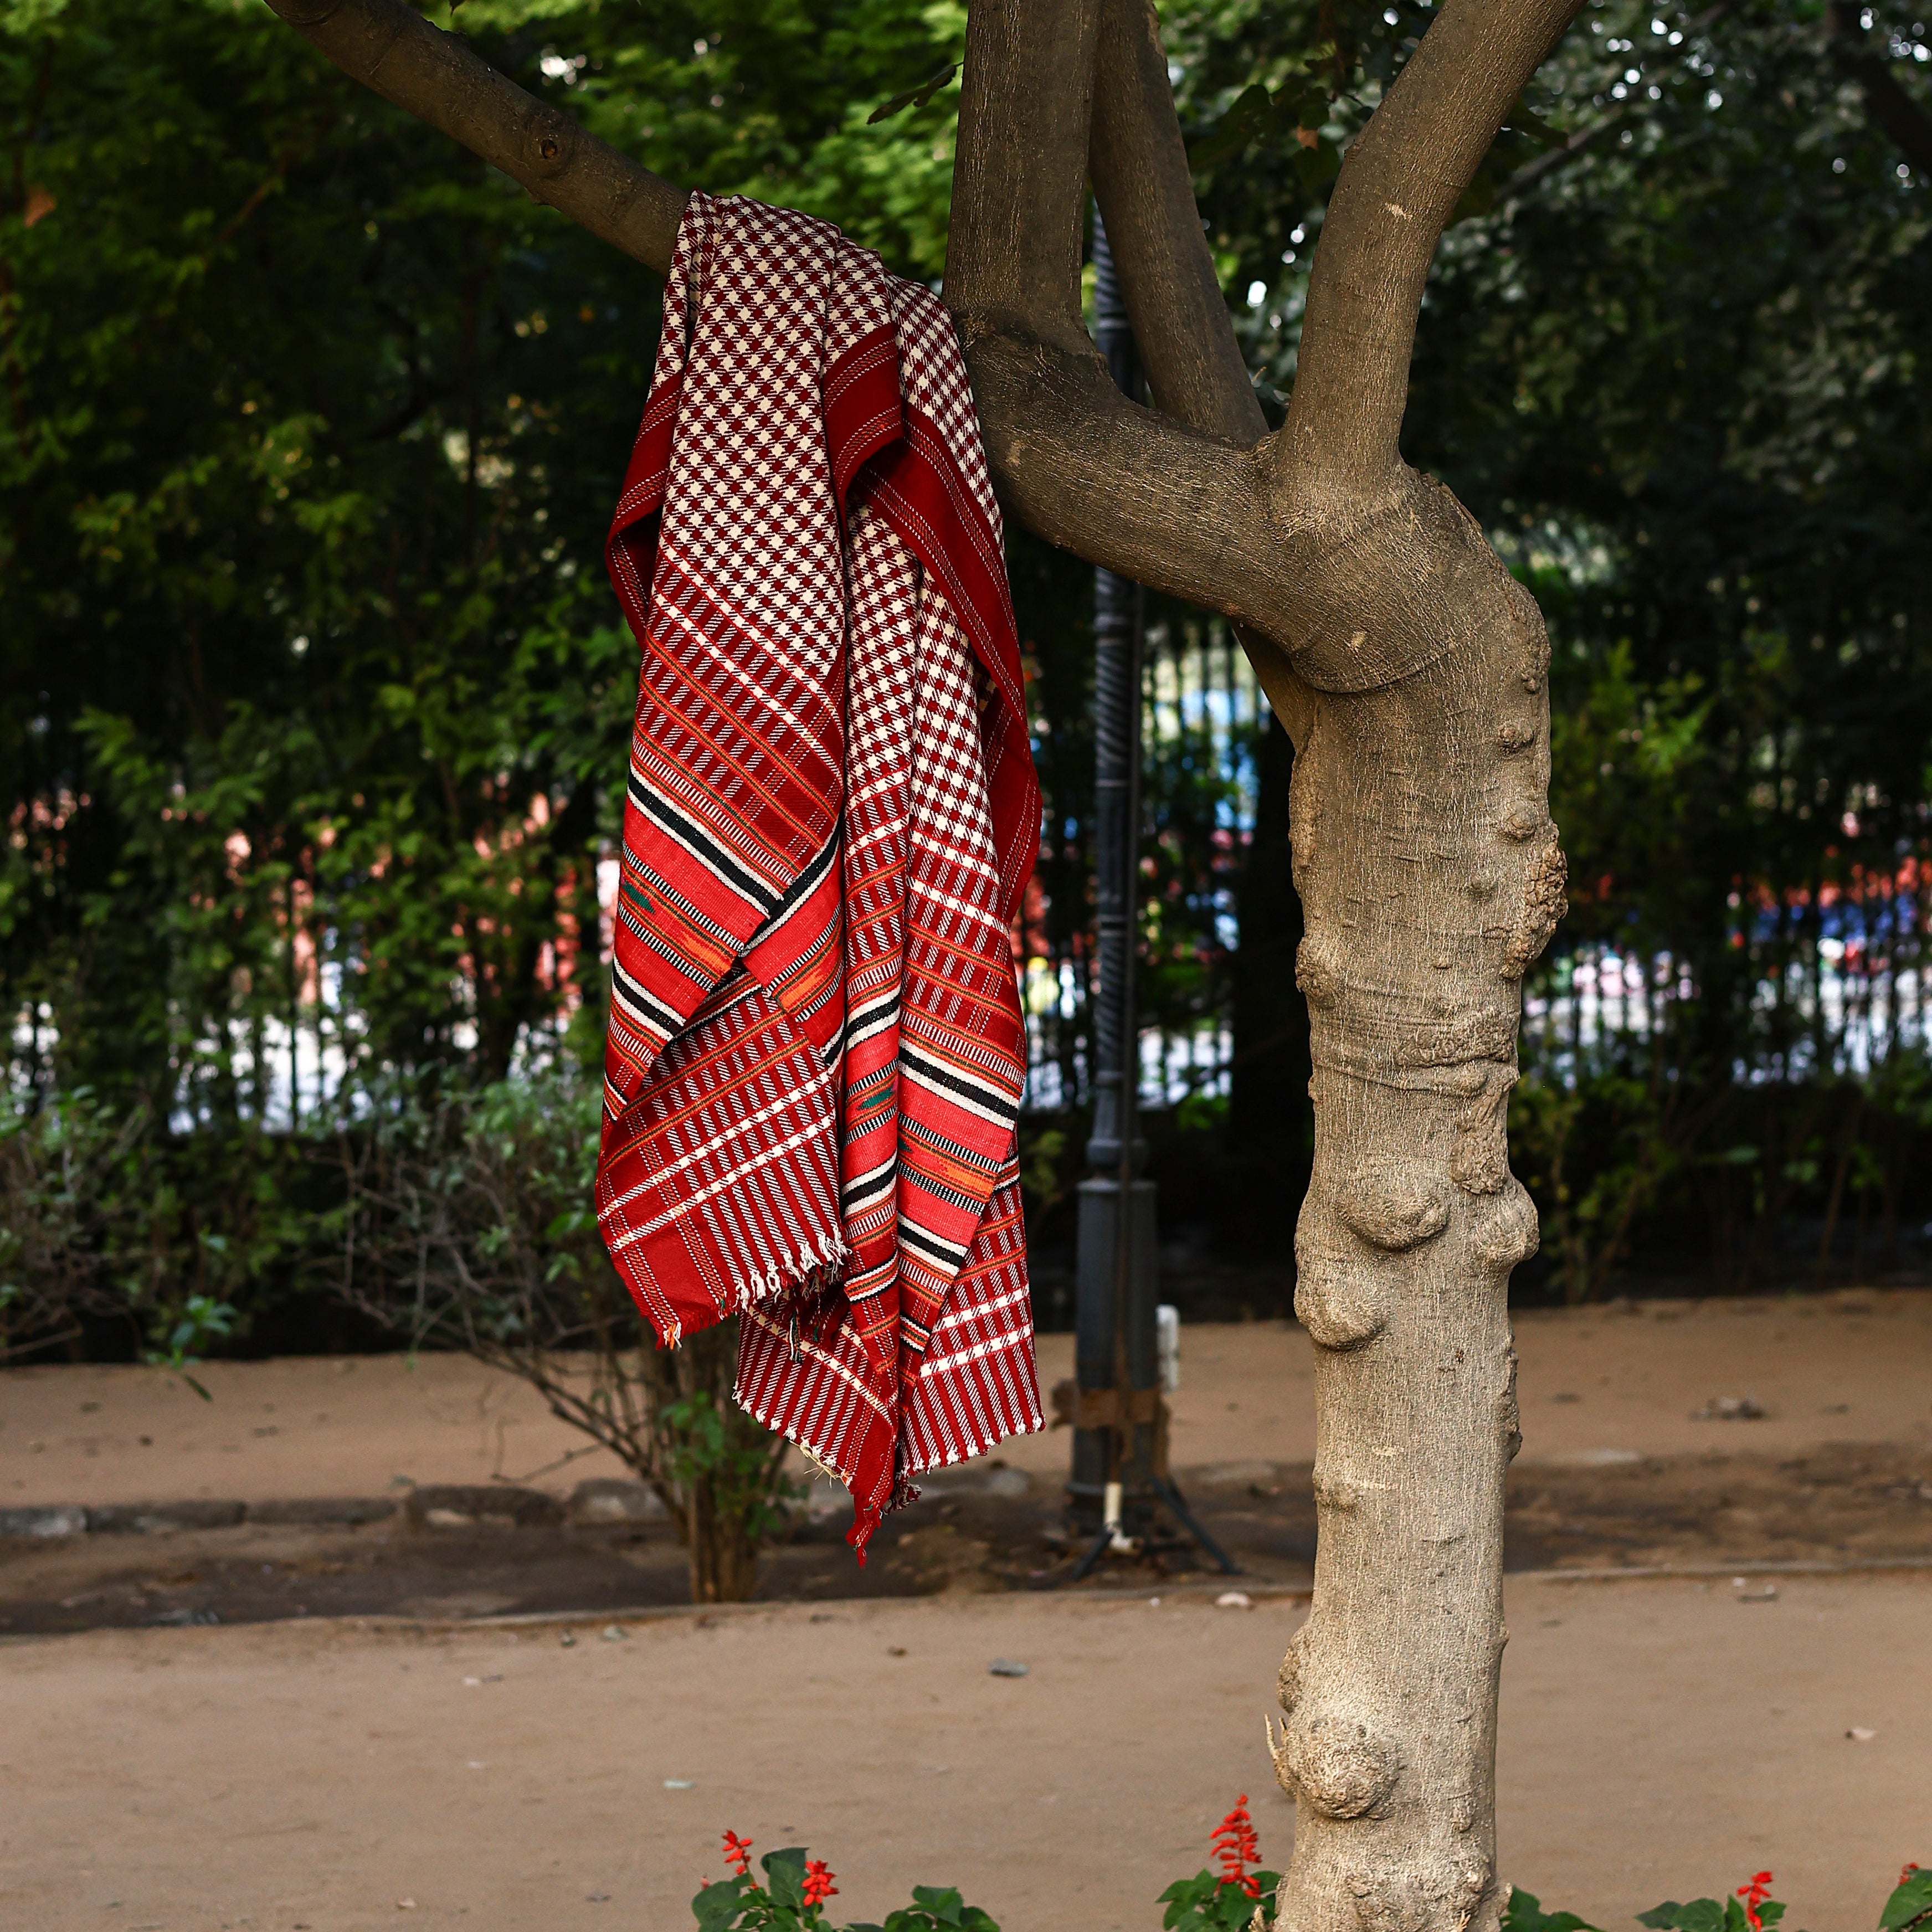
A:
x,y
1658,1739
1854,1367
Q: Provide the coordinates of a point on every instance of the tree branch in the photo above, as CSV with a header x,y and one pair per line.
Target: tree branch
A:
x,y
392,49
1174,509
1180,509
1890,105
1399,183
1013,251
1139,163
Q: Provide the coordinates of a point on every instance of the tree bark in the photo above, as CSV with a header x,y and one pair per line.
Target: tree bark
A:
x,y
1407,666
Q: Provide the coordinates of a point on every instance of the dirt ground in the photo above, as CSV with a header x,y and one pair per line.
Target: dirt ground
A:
x,y
321,1764
377,1487
1852,1367
1656,1736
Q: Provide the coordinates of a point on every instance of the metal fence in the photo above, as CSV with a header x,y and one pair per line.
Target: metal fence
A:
x,y
1838,984
1202,711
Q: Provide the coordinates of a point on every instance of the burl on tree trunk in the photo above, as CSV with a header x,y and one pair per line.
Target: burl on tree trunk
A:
x,y
1407,666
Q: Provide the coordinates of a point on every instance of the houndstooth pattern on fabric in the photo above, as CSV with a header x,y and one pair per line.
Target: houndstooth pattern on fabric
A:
x,y
816,1054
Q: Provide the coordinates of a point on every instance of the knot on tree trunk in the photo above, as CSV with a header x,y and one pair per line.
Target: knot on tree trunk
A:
x,y
1480,1164
1396,1208
1543,901
1503,1228
1338,1763
1339,1307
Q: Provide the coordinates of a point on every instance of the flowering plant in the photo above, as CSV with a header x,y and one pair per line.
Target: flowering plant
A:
x,y
1750,1909
1235,1897
1909,1907
1238,1897
793,1896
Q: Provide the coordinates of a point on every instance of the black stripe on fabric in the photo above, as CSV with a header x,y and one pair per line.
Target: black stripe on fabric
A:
x,y
994,1101
635,995
686,833
941,1250
815,869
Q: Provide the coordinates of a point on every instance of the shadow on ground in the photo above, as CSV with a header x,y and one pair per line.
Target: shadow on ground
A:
x,y
465,1555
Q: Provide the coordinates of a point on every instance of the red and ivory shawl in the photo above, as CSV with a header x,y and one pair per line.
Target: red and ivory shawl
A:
x,y
816,1052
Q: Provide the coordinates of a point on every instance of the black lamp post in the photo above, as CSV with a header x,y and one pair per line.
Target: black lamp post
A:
x,y
1119,1432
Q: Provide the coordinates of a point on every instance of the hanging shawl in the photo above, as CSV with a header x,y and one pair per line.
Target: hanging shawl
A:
x,y
816,1054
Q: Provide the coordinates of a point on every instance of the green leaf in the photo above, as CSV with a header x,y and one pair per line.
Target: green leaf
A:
x,y
717,1907
785,1869
945,1904
1701,1914
1912,1901
1526,1914
1538,130
1236,129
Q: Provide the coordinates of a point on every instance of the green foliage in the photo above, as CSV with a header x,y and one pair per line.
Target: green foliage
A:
x,y
1524,1913
314,699
466,1222
1043,1153
1593,1148
1910,1904
313,702
1708,1915
790,1901
313,719
706,1442
1206,1903
105,1225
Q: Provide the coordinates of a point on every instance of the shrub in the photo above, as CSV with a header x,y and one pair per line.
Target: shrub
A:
x,y
469,1225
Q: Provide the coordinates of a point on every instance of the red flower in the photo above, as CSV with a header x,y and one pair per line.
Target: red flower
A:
x,y
1754,1895
1908,1871
818,1886
737,1852
1237,1847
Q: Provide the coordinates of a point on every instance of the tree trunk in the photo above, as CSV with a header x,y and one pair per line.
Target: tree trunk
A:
x,y
723,1559
1430,877
714,1512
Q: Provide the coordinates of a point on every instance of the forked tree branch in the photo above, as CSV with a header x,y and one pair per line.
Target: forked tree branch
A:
x,y
1138,163
1158,501
1184,505
1399,183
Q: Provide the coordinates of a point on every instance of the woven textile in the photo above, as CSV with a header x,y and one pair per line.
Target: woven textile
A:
x,y
816,1053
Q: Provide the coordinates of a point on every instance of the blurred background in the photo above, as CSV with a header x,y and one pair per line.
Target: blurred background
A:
x,y
315,698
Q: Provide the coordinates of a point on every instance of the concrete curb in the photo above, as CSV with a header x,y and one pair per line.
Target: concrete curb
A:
x,y
51,1522
601,1500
